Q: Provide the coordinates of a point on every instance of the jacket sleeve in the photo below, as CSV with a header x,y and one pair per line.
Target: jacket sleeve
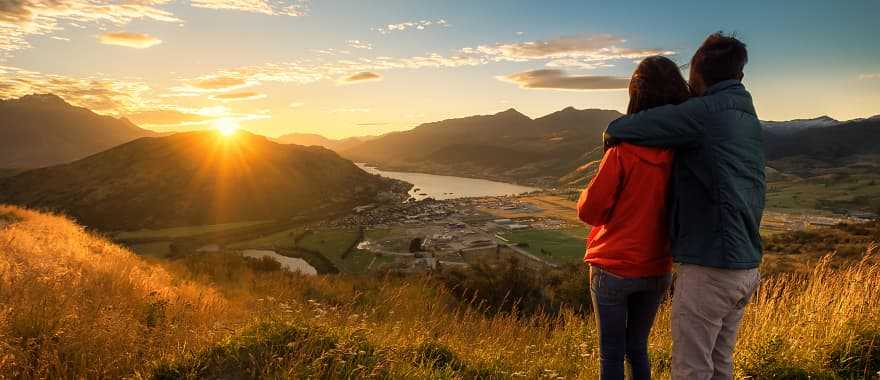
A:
x,y
669,126
597,200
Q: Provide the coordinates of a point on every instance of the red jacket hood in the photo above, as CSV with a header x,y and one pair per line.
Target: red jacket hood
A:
x,y
652,156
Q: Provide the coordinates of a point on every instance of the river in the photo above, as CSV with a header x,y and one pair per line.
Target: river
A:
x,y
292,264
450,187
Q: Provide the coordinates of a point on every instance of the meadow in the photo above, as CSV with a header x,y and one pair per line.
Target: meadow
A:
x,y
74,305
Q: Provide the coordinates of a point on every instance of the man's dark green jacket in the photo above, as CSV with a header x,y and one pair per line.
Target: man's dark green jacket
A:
x,y
717,185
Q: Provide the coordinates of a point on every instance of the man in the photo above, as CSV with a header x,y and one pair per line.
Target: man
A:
x,y
717,200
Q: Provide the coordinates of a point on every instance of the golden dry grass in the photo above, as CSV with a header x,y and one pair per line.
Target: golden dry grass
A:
x,y
73,305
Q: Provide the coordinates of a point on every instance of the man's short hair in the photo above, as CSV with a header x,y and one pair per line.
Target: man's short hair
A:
x,y
721,57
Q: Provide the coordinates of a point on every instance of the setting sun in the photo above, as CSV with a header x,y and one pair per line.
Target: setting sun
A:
x,y
226,127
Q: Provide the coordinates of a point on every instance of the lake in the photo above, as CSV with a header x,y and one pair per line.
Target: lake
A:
x,y
450,187
293,264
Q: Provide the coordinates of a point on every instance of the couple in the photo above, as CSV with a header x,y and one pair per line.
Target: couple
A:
x,y
682,180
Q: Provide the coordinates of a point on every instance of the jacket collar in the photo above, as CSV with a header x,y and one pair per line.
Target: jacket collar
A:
x,y
723,85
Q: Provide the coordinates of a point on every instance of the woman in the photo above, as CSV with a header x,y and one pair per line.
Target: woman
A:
x,y
628,247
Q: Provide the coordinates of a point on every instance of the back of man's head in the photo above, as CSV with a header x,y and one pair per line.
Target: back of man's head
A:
x,y
721,57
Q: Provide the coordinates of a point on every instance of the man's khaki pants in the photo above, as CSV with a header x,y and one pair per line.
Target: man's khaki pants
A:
x,y
707,308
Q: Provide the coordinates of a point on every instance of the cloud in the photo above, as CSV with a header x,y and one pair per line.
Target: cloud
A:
x,y
20,19
238,96
575,63
296,105
869,76
100,94
358,44
581,52
559,80
585,47
364,76
417,25
213,83
267,7
132,40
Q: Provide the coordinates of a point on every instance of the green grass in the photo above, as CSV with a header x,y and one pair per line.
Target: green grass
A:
x,y
286,238
333,244
329,243
178,232
854,192
563,246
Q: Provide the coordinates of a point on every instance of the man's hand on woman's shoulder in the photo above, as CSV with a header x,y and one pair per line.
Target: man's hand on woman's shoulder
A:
x,y
609,141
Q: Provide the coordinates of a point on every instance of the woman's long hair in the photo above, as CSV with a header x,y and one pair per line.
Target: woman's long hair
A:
x,y
656,82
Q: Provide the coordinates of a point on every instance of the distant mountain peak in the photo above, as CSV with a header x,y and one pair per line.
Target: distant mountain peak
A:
x,y
510,112
798,124
46,99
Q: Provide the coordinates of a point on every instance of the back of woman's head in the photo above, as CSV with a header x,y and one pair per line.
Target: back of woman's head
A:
x,y
657,81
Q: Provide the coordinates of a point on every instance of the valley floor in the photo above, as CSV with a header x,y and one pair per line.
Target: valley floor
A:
x,y
540,228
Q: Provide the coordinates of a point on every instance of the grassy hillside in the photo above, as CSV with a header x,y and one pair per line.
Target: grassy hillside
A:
x,y
43,130
73,305
196,178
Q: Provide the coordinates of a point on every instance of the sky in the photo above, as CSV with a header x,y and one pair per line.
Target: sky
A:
x,y
352,68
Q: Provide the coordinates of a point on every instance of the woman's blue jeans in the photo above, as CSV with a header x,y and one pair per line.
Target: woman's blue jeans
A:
x,y
625,309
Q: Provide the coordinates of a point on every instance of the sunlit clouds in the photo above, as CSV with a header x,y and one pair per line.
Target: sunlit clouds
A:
x,y
411,25
238,96
22,18
98,93
869,76
576,50
267,7
560,80
127,39
358,44
212,84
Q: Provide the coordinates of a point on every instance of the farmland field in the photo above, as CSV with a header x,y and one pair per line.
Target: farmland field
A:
x,y
560,246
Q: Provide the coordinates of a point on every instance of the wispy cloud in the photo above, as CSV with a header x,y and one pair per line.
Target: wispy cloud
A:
x,y
267,7
406,25
560,80
582,47
359,44
132,40
221,82
238,96
869,76
296,104
577,64
101,94
22,18
364,76
580,52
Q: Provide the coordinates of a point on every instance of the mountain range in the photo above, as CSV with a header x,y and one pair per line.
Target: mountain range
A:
x,y
194,178
309,139
507,146
40,130
43,130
